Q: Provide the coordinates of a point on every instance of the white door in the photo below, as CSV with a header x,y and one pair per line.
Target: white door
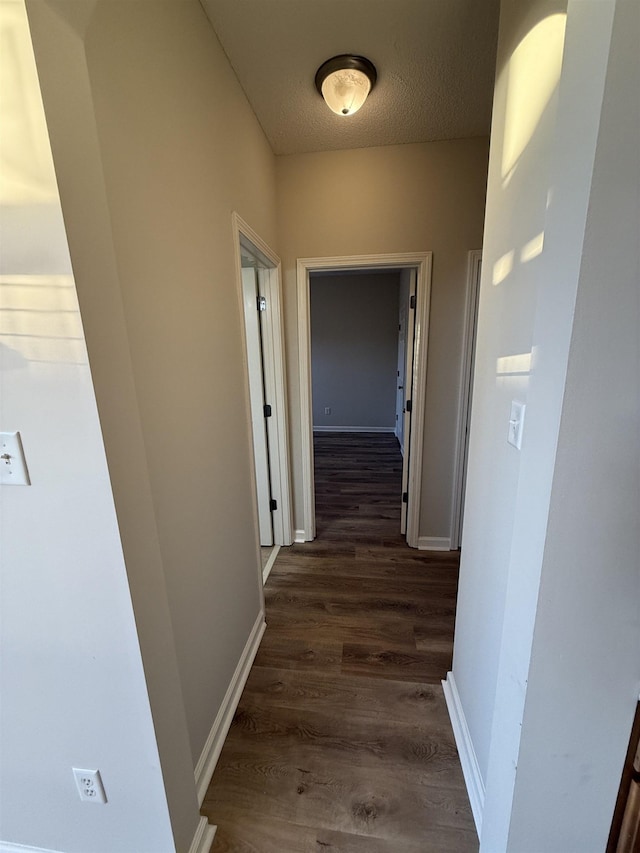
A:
x,y
408,395
403,318
256,393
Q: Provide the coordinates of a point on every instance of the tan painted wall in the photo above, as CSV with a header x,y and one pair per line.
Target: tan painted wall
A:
x,y
404,198
155,146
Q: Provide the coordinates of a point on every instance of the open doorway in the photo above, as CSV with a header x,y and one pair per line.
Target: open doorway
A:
x,y
258,273
417,269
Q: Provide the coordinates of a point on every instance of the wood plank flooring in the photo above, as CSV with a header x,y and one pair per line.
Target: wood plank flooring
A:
x,y
342,741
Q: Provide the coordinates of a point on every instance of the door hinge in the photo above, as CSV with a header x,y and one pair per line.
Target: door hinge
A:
x,y
412,301
267,410
407,405
262,303
405,497
273,504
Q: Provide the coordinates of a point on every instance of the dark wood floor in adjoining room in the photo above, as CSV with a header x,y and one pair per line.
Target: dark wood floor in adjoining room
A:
x,y
342,740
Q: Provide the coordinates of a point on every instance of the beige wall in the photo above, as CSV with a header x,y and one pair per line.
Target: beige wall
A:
x,y
155,146
404,198
192,152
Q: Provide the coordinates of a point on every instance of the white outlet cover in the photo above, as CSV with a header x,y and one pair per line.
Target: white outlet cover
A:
x,y
89,784
13,466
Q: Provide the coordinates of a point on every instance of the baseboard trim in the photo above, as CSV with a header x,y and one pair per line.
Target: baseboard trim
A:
x,y
8,847
301,536
203,838
222,723
269,564
470,769
434,543
353,429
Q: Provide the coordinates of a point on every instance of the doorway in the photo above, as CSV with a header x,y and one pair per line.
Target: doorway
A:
x,y
420,265
258,275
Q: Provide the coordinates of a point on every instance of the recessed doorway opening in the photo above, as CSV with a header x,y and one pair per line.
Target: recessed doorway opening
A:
x,y
258,274
416,270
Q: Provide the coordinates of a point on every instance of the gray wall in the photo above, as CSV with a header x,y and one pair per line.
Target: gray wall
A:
x,y
354,346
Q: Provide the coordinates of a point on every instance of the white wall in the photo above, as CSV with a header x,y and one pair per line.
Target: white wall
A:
x,y
545,658
354,349
585,662
399,198
73,685
517,196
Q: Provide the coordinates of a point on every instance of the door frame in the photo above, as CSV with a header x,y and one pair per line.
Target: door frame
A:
x,y
474,261
270,284
422,263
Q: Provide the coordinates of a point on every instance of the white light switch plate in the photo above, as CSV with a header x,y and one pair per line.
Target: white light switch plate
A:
x,y
13,467
516,423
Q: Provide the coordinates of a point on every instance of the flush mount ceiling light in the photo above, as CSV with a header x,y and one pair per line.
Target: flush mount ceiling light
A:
x,y
345,81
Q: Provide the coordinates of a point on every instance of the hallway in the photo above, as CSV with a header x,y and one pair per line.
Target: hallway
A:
x,y
342,740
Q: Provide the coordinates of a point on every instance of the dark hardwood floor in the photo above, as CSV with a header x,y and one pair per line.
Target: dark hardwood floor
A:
x,y
342,740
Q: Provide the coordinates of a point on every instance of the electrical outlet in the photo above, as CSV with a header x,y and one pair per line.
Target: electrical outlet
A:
x,y
327,410
89,784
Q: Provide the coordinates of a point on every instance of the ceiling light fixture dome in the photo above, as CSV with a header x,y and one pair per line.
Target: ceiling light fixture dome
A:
x,y
345,81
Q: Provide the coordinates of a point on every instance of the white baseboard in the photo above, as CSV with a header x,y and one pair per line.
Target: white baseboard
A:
x,y
269,564
202,841
434,543
352,429
470,769
203,838
300,536
213,747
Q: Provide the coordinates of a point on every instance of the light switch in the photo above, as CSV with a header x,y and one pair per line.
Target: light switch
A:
x,y
516,423
13,467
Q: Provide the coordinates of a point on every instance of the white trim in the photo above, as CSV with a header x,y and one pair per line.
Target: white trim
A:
x,y
215,741
203,838
466,379
306,405
271,281
421,262
470,768
266,570
301,537
353,429
434,543
201,843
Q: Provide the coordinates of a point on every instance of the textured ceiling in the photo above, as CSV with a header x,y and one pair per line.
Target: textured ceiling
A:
x,y
435,62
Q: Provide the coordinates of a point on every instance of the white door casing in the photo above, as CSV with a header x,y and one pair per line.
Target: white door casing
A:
x,y
466,389
268,272
421,262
